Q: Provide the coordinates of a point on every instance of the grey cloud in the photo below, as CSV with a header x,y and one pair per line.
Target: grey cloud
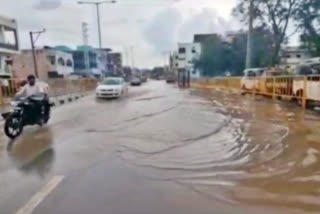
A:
x,y
161,31
48,4
116,21
167,28
141,20
206,21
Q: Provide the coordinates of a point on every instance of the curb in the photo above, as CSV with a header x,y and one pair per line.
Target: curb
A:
x,y
65,99
62,100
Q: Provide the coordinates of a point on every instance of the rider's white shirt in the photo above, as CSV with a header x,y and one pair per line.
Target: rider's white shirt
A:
x,y
29,90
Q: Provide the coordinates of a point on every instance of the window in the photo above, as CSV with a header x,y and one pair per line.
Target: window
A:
x,y
251,74
79,60
69,63
288,56
111,82
93,60
51,60
9,39
298,56
182,50
61,62
177,64
194,50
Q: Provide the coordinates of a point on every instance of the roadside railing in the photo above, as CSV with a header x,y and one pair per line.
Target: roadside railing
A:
x,y
57,87
303,89
229,82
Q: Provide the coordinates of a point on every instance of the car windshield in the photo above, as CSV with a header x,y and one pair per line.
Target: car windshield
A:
x,y
111,82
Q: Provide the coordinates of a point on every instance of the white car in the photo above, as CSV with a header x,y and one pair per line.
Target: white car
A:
x,y
111,88
249,81
135,81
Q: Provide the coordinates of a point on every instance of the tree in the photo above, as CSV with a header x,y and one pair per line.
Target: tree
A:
x,y
219,56
272,14
307,16
214,57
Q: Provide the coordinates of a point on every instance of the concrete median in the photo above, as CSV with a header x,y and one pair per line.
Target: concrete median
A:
x,y
56,101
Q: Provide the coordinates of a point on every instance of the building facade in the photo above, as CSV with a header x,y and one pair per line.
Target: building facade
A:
x,y
202,38
103,60
51,63
185,58
174,61
9,45
85,61
90,61
290,57
115,63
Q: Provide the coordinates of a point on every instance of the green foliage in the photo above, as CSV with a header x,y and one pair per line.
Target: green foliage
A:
x,y
213,57
219,57
307,16
275,15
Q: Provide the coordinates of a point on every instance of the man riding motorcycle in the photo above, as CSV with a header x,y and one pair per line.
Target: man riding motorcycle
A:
x,y
36,88
31,107
31,88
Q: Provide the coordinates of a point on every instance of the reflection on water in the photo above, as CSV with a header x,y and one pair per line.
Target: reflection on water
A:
x,y
239,150
33,153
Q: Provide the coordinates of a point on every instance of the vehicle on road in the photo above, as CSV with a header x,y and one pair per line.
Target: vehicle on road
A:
x,y
249,80
170,77
136,81
30,110
311,70
113,87
144,78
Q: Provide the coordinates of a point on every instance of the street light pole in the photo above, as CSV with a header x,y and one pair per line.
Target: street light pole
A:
x,y
97,4
35,64
99,25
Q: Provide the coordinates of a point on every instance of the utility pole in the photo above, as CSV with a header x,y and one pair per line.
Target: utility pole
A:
x,y
132,56
97,4
33,41
249,42
85,34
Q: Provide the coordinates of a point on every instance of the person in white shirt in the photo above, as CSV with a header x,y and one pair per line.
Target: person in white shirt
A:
x,y
31,88
34,87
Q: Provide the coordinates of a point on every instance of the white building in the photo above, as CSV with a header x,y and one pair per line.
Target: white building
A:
x,y
51,63
9,45
187,54
292,56
175,61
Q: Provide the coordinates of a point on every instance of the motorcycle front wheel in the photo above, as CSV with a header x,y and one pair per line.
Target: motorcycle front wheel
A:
x,y
13,127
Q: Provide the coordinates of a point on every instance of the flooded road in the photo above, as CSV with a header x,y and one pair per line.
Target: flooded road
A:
x,y
165,150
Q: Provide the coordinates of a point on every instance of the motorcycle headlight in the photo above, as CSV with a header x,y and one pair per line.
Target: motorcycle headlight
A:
x,y
13,103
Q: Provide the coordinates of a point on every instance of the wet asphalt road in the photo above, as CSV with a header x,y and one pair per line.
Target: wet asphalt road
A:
x,y
165,150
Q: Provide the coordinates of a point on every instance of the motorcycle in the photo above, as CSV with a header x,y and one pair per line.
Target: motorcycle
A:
x,y
26,111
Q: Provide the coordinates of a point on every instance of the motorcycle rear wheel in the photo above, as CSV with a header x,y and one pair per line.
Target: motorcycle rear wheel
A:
x,y
13,127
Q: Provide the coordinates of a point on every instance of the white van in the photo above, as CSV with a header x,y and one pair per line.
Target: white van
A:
x,y
311,69
249,81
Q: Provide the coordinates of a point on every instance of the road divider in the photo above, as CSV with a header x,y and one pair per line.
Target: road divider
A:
x,y
57,88
302,89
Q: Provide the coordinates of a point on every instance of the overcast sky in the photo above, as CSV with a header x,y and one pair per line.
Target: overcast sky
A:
x,y
150,27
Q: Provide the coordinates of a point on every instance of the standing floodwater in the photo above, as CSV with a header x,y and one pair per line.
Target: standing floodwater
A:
x,y
233,149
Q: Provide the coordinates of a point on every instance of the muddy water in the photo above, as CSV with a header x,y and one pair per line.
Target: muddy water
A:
x,y
234,149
